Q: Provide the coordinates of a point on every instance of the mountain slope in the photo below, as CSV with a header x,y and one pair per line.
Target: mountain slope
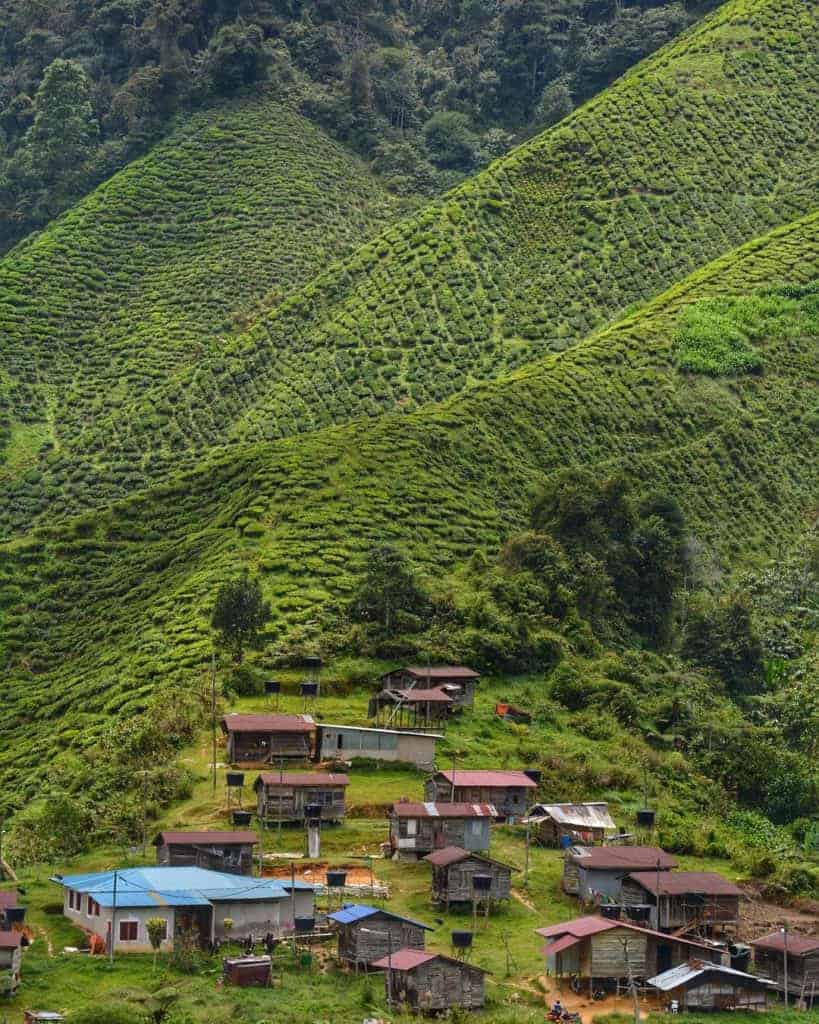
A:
x,y
234,210
98,611
700,148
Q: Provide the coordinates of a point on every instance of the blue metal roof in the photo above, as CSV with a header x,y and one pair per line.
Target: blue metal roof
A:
x,y
352,912
169,886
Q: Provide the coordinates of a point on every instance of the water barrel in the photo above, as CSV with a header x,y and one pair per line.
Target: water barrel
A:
x,y
312,812
336,879
482,883
611,911
272,686
304,925
462,940
312,661
14,915
241,817
645,818
565,842
309,689
235,779
640,912
740,956
535,774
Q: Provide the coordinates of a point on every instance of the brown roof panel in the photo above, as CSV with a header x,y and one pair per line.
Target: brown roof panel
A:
x,y
408,959
417,696
455,854
299,779
497,779
799,945
213,837
438,672
406,809
268,723
8,898
10,940
678,883
582,927
625,858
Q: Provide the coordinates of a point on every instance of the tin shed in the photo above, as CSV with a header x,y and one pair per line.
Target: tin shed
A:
x,y
700,985
431,982
217,851
348,742
802,953
582,824
366,933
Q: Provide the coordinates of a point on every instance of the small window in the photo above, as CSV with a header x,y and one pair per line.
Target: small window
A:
x,y
128,931
93,907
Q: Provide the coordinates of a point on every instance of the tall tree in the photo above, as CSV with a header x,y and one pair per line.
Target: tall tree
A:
x,y
239,613
388,592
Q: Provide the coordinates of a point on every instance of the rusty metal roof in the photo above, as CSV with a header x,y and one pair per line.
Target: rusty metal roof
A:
x,y
583,927
10,940
594,815
408,959
437,672
679,883
268,723
799,945
407,809
417,696
558,945
299,779
8,898
213,837
622,858
497,779
456,854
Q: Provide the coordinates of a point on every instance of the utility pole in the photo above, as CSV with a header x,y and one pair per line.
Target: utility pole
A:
x,y
213,714
784,931
526,856
281,783
144,807
113,920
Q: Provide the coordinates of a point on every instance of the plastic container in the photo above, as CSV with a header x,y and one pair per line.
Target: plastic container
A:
x,y
14,915
235,779
565,842
645,818
482,883
272,686
336,879
304,925
462,940
535,774
611,911
241,817
308,689
312,812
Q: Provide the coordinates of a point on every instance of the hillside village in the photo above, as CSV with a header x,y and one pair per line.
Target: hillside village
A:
x,y
279,877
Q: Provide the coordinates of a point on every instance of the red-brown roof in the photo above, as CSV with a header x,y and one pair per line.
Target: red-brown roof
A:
x,y
268,723
213,837
799,945
438,672
408,959
625,858
10,940
417,696
9,898
455,854
303,779
678,883
582,927
558,945
405,809
498,779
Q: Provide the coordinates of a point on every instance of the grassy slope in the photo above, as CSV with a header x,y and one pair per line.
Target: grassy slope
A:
x,y
703,146
235,209
97,610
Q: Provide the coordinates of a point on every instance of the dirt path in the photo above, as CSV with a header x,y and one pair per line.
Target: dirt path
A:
x,y
517,895
39,931
760,915
588,1008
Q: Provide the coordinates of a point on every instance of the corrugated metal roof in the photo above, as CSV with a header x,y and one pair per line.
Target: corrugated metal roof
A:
x,y
472,777
797,944
350,913
303,779
594,815
624,858
582,927
408,959
436,695
171,886
406,809
213,837
10,940
683,973
678,883
268,723
437,672
388,732
9,898
455,854
565,942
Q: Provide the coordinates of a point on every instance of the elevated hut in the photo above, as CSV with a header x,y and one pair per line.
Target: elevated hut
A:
x,y
702,986
284,796
427,982
802,955
594,872
367,933
419,828
578,824
264,739
453,872
215,851
684,899
507,791
421,709
458,681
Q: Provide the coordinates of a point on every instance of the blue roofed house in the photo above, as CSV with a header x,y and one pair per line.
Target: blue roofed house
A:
x,y
366,933
188,898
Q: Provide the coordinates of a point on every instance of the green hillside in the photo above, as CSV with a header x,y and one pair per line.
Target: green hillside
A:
x,y
100,611
233,211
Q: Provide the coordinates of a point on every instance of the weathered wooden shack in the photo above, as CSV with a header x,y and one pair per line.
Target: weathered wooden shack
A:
x,y
453,871
428,982
600,950
348,742
284,796
802,953
11,945
678,899
595,872
366,933
457,681
581,824
507,791
700,985
216,851
419,828
265,739
419,710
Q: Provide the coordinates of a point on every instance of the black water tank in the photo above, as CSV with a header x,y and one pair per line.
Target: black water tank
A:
x,y
535,774
462,940
740,956
312,811
304,925
645,818
235,779
481,883
336,879
611,911
15,915
309,689
640,912
312,661
272,686
241,817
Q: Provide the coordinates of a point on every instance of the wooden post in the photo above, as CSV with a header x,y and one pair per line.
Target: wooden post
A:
x,y
213,714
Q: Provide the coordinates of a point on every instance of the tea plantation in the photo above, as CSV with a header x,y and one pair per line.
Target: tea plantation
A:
x,y
702,147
